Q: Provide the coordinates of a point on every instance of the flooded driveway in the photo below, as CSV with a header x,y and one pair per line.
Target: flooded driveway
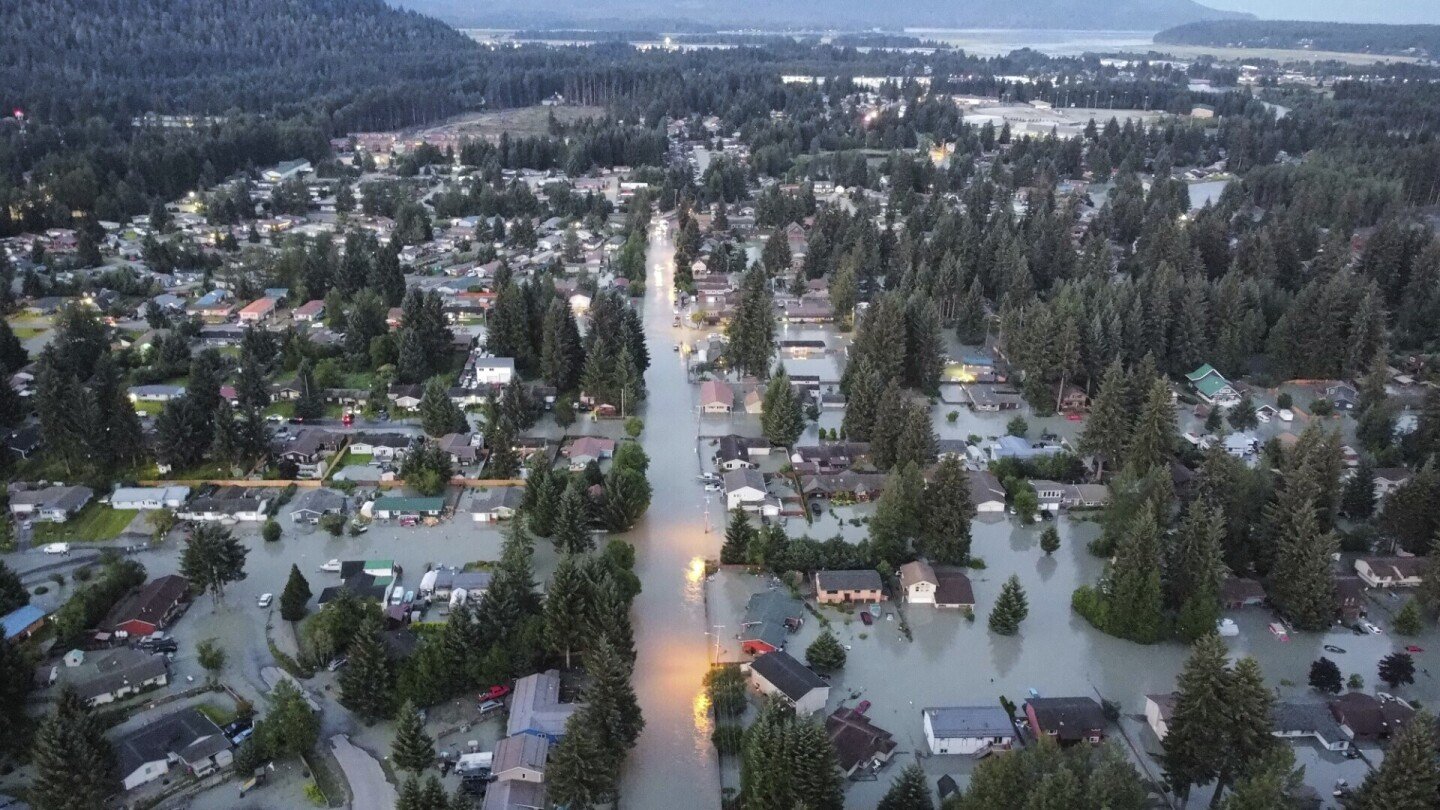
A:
x,y
674,757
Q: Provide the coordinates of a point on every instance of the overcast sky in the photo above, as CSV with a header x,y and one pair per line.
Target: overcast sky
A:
x,y
1380,11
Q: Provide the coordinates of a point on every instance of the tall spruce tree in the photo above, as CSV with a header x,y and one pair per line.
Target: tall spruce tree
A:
x,y
565,607
295,596
1303,579
74,764
909,791
413,750
1107,429
738,534
1011,608
1136,596
439,414
367,682
1250,723
781,416
572,520
1152,442
611,705
947,512
580,771
1408,778
1197,739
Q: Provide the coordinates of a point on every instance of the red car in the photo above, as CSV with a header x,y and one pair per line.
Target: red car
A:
x,y
866,617
1413,649
495,693
862,707
1073,416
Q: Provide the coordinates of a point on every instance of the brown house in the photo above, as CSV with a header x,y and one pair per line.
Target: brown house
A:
x,y
848,586
858,742
149,608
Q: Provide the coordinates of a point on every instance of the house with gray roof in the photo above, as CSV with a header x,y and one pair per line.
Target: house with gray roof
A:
x,y
778,673
49,504
770,616
313,504
496,503
115,675
535,706
186,738
967,730
1313,720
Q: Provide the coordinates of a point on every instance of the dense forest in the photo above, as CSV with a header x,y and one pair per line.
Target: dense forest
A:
x,y
1414,40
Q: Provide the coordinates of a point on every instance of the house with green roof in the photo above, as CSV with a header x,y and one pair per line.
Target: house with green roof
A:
x,y
1212,386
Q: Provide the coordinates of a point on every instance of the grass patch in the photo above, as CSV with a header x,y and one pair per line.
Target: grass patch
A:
x,y
286,408
218,715
149,408
27,332
95,522
357,458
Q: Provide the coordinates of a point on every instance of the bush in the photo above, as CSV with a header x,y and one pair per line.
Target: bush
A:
x,y
271,531
634,426
1088,603
727,738
83,573
1322,407
825,653
1018,427
952,417
210,655
41,590
1284,401
334,524
315,795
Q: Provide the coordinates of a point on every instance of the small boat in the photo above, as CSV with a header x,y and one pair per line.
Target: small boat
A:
x,y
1034,693
1332,648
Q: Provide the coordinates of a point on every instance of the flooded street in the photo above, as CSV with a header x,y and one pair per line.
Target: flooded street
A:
x,y
674,757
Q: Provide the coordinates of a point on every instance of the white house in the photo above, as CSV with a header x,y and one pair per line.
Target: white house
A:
x,y
186,738
1158,710
286,170
1314,720
777,673
745,488
918,581
149,497
967,730
986,492
494,370
1391,572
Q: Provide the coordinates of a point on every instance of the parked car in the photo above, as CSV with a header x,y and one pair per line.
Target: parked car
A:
x,y
57,548
495,692
334,666
1370,627
713,487
490,706
866,618
863,706
266,599
159,645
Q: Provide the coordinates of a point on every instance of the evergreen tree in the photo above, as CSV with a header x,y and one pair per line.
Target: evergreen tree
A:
x,y
212,559
1107,429
310,404
1197,739
1049,540
565,630
439,415
503,462
367,682
611,705
1136,596
413,750
1011,608
816,774
74,764
1152,442
915,442
1397,668
947,512
13,593
1303,577
1249,723
292,727
580,771
562,356
825,653
781,416
909,791
1409,777
1325,676
627,496
1428,594
862,405
925,349
295,596
1270,785
1407,620
738,535
572,521
1358,499
751,331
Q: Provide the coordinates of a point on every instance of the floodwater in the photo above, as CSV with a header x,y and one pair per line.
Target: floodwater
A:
x,y
674,757
999,42
1206,193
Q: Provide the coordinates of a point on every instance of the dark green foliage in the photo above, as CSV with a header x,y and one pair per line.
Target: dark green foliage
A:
x,y
367,682
1409,776
295,596
1011,608
909,791
1325,676
74,764
738,534
413,750
212,559
1397,668
825,653
1108,780
781,416
788,762
439,415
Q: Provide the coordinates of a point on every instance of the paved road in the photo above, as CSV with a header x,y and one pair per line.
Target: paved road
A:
x,y
368,787
674,757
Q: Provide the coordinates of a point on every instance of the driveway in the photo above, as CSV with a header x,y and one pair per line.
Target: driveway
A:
x,y
368,787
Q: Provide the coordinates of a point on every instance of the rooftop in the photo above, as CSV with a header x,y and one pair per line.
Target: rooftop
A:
x,y
792,678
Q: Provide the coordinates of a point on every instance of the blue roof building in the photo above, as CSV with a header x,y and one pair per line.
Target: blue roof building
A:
x,y
22,622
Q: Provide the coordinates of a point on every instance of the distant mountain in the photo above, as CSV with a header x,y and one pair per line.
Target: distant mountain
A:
x,y
1392,40
1120,15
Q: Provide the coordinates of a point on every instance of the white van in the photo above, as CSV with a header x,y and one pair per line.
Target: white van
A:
x,y
57,548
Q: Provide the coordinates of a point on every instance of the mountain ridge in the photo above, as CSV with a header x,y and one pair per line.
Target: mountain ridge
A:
x,y
1128,15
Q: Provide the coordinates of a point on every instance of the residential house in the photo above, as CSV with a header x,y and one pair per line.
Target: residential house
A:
x,y
586,449
833,587
535,706
258,310
520,758
733,454
1050,494
1391,572
830,457
967,730
1158,711
155,393
1020,448
1314,720
770,616
287,169
116,674
22,623
493,370
391,507
986,493
845,485
1349,598
313,504
989,399
230,504
25,440
859,744
1389,479
308,451
496,504
1342,395
1072,398
1369,718
716,397
924,584
745,488
1067,720
513,794
1241,592
213,306
1212,386
463,448
49,504
149,608
147,498
406,397
380,446
187,738
309,311
777,673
